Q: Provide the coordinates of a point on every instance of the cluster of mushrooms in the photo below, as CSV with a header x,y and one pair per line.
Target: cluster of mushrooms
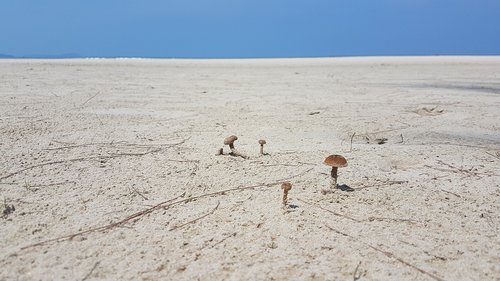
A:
x,y
230,142
335,161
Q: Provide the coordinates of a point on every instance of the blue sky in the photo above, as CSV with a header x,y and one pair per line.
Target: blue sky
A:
x,y
251,28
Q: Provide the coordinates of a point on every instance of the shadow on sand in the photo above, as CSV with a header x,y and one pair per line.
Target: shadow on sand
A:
x,y
345,187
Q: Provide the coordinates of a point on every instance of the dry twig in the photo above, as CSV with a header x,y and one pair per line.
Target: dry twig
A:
x,y
468,172
452,193
224,239
388,254
134,190
116,144
162,205
391,219
497,156
388,182
330,211
52,184
112,155
197,219
357,275
105,227
352,137
89,99
88,158
288,165
91,271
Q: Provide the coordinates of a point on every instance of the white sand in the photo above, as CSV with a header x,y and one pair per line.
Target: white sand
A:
x,y
429,197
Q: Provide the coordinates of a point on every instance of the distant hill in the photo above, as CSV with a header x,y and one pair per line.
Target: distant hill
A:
x,y
58,56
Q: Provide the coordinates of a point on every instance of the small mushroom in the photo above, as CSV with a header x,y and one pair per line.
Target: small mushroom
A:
x,y
220,151
335,161
262,142
230,141
286,186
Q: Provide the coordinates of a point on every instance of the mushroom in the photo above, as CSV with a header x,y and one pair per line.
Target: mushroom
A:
x,y
335,161
262,142
286,186
230,141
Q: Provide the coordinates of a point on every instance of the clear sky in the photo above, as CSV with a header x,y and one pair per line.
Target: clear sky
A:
x,y
249,28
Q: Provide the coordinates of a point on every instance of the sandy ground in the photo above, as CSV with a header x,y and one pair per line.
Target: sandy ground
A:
x,y
87,143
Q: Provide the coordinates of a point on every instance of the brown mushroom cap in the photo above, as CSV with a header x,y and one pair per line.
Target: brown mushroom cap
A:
x,y
230,140
335,160
286,186
262,141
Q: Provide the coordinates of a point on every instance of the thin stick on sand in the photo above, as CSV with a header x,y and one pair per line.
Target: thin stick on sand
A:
x,y
386,183
352,137
100,157
91,271
497,156
371,218
162,205
391,255
89,99
330,211
457,170
388,254
114,144
356,275
88,158
196,219
104,227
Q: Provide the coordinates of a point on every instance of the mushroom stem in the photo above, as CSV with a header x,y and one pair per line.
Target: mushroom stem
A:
x,y
334,178
261,149
235,152
286,186
230,141
285,199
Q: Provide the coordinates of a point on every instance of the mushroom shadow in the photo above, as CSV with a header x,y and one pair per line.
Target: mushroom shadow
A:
x,y
345,187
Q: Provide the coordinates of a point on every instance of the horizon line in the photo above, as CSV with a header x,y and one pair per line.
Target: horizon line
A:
x,y
76,56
